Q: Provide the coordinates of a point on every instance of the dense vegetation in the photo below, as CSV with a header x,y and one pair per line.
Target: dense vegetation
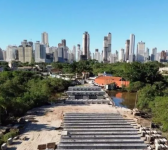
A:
x,y
21,91
144,78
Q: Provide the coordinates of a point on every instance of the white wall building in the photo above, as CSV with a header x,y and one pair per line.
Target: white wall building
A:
x,y
153,54
40,52
121,55
131,48
140,51
11,53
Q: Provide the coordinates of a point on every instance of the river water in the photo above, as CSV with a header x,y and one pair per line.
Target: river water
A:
x,y
123,99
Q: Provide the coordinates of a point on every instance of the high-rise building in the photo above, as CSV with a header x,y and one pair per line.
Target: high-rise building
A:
x,y
163,55
105,49
74,52
127,45
140,51
109,43
11,53
146,55
44,38
40,52
1,54
131,48
4,55
25,51
79,52
28,53
153,54
121,55
86,45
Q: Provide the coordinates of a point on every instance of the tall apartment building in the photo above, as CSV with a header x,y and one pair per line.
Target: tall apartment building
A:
x,y
44,38
153,54
11,53
140,51
40,52
1,54
25,51
121,55
146,55
131,48
163,56
79,52
109,43
74,52
105,49
127,45
4,55
86,45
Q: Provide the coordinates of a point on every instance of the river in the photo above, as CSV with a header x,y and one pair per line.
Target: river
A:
x,y
123,99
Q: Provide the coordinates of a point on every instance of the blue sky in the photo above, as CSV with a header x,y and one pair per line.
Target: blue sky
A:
x,y
69,19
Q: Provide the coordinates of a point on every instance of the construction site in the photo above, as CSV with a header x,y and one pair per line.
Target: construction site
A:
x,y
87,119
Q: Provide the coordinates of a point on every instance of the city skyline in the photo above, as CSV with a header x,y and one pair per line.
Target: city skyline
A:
x,y
148,26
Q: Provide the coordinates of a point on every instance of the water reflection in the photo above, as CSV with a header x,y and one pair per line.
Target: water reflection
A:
x,y
123,99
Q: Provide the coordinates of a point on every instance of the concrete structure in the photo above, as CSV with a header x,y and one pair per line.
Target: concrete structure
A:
x,y
74,53
98,131
105,49
153,54
44,38
140,51
40,52
86,95
131,48
127,45
86,45
121,55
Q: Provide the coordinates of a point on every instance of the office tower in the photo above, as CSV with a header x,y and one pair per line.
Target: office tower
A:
x,y
40,52
11,53
109,44
121,55
131,47
44,38
127,45
153,54
1,54
4,55
140,51
86,45
105,49
74,52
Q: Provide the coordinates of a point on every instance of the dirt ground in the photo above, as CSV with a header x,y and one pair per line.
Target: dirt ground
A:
x,y
43,131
